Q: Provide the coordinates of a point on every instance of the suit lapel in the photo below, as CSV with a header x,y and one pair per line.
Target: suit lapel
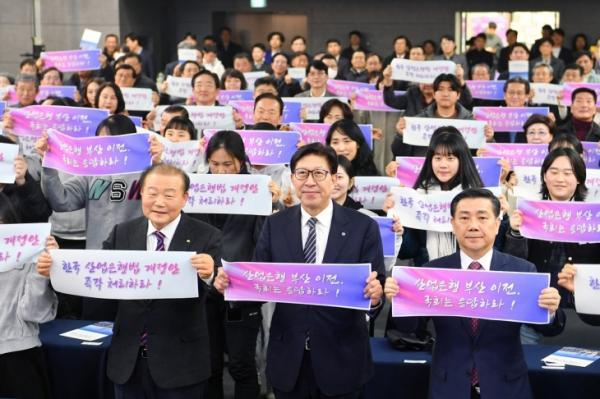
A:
x,y
294,234
338,234
181,240
139,236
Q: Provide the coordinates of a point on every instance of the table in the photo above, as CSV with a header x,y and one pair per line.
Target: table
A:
x,y
75,370
396,379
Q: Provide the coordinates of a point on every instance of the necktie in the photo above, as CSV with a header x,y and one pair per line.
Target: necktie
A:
x,y
160,240
474,328
310,247
160,246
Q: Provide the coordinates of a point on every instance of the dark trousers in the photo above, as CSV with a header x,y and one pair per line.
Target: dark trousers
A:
x,y
306,385
23,374
142,386
233,331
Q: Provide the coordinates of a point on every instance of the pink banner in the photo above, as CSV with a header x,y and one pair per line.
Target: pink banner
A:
x,y
494,295
560,221
371,100
507,119
345,88
337,285
518,154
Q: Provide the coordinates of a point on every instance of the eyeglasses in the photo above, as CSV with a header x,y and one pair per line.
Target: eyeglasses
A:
x,y
540,133
317,174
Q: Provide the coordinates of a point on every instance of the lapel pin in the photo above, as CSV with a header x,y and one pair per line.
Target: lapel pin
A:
x,y
343,233
188,241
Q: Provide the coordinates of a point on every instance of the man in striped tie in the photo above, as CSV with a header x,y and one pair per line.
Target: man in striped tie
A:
x,y
476,358
160,347
317,351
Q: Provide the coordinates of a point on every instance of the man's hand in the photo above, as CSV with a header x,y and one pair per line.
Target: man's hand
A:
x,y
373,289
549,299
204,265
221,281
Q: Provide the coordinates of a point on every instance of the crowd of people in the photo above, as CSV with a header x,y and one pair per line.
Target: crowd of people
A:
x,y
177,348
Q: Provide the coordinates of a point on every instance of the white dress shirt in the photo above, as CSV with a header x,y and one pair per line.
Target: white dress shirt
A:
x,y
485,261
169,232
322,228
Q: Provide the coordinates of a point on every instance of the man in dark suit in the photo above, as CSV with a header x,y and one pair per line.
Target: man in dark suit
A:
x,y
473,356
160,347
314,351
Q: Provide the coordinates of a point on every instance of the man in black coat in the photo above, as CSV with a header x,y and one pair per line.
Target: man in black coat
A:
x,y
160,347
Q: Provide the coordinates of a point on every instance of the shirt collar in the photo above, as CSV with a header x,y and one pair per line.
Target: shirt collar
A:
x,y
324,217
168,230
485,261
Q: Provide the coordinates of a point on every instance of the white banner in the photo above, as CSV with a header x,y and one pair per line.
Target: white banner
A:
x,y
312,105
420,71
179,87
546,93
587,289
297,73
529,183
229,194
20,243
423,211
8,152
137,99
418,131
370,191
124,274
186,155
187,54
204,117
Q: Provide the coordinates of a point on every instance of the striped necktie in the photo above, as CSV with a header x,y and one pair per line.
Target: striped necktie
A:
x,y
310,247
160,246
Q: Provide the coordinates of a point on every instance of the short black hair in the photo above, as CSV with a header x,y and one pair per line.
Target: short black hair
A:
x,y
580,90
243,55
575,67
447,37
133,55
213,75
516,33
270,96
317,149
126,67
233,145
132,36
165,169
318,65
210,49
50,69
260,46
518,44
406,39
298,37
519,80
177,109
545,40
447,77
265,80
355,33
181,123
336,41
281,36
475,193
559,31
566,140
287,59
583,53
116,125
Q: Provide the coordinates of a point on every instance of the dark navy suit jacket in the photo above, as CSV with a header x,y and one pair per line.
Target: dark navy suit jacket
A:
x,y
495,351
339,338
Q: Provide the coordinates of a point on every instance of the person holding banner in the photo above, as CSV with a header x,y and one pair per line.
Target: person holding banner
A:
x,y
205,86
346,138
517,52
27,301
107,200
109,97
306,356
316,74
566,279
89,91
26,89
233,326
476,357
583,109
539,129
25,193
563,175
286,85
160,348
447,91
333,110
233,79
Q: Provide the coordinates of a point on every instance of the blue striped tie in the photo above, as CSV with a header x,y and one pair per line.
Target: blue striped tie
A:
x,y
310,247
